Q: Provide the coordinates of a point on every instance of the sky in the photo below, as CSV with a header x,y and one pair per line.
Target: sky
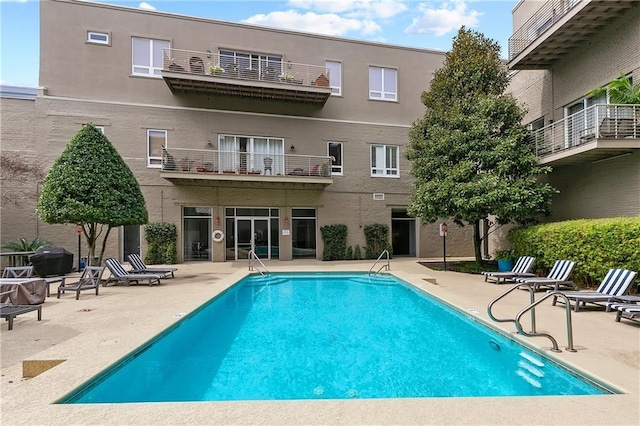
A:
x,y
428,24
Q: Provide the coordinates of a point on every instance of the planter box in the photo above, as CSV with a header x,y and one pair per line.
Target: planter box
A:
x,y
505,265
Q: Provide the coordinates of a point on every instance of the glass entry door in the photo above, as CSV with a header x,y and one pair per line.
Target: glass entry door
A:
x,y
252,234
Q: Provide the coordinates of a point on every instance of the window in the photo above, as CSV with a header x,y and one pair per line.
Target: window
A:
x,y
384,161
536,124
146,56
156,141
335,151
335,77
266,67
97,38
383,84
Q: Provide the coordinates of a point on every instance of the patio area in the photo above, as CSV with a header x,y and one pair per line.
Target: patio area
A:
x,y
91,333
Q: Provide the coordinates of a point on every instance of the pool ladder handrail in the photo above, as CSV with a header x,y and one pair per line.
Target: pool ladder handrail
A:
x,y
531,307
252,255
385,266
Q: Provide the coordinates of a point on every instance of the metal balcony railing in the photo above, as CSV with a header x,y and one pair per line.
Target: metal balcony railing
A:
x,y
196,161
535,26
599,121
259,70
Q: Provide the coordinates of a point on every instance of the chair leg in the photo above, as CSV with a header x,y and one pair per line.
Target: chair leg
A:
x,y
77,294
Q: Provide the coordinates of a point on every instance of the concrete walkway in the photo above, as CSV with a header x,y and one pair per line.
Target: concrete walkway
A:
x,y
89,334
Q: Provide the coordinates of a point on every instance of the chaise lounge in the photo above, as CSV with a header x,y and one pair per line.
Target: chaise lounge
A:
x,y
557,277
139,267
118,274
520,269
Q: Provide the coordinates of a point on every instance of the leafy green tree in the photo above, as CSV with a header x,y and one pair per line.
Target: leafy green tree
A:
x,y
620,90
91,185
470,154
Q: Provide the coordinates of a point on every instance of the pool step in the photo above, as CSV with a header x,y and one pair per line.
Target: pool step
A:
x,y
530,370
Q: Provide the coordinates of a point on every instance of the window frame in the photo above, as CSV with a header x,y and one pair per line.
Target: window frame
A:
x,y
382,92
106,42
152,71
385,171
335,90
151,159
336,169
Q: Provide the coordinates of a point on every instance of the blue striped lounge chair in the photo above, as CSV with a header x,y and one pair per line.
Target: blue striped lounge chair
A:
x,y
615,285
139,267
521,269
557,278
630,311
118,274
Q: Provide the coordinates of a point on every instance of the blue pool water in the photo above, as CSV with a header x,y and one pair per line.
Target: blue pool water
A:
x,y
323,335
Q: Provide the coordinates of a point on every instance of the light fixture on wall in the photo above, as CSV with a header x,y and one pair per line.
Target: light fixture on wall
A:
x,y
286,221
208,53
209,143
217,221
293,148
289,64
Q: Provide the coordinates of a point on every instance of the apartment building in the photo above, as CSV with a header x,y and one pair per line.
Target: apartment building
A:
x,y
559,51
246,138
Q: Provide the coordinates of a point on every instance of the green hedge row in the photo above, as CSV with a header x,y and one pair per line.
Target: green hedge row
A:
x,y
161,239
335,242
596,245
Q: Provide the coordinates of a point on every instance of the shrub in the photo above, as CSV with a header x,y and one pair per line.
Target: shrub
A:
x,y
377,238
596,245
357,253
159,237
349,253
25,245
335,241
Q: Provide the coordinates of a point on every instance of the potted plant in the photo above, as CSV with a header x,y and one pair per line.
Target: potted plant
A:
x,y
216,69
505,259
287,78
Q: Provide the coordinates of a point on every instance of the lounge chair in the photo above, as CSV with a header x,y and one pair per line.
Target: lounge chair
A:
x,y
614,285
9,311
118,274
17,272
520,270
138,267
557,277
90,279
630,311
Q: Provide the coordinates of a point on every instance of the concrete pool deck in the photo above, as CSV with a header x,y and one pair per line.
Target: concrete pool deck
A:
x,y
91,333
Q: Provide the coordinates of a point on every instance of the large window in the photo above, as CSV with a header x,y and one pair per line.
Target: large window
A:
x,y
335,77
156,141
335,152
146,56
384,161
251,65
246,154
383,84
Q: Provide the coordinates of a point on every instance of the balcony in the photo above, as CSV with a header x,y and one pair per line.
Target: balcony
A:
x,y
245,169
593,134
205,73
558,28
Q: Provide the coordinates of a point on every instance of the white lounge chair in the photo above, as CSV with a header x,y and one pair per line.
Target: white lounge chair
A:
x,y
629,311
520,269
615,284
139,267
118,274
557,277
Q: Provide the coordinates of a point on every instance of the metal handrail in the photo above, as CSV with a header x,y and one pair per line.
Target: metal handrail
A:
x,y
532,299
252,255
386,266
547,335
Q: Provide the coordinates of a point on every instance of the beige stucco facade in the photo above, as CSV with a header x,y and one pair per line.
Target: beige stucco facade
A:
x,y
85,82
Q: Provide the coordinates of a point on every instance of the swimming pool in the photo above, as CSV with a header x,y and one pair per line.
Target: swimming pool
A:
x,y
327,335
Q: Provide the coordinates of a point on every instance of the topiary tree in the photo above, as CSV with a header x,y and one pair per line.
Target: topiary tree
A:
x,y
470,154
91,185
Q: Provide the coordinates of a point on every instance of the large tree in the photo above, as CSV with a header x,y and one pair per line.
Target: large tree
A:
x,y
91,185
470,153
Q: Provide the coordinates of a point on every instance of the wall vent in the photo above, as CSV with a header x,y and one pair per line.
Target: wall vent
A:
x,y
378,196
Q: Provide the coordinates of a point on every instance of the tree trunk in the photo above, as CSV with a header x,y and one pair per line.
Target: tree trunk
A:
x,y
477,239
104,246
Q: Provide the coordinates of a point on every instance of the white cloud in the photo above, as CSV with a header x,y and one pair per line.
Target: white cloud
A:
x,y
327,23
370,9
443,19
146,6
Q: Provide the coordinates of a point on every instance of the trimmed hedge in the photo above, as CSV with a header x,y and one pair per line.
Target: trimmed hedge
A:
x,y
596,245
161,238
377,238
335,241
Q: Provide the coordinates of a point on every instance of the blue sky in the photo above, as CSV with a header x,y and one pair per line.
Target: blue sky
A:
x,y
429,24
